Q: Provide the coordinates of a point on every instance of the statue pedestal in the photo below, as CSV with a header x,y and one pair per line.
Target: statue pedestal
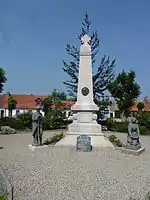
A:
x,y
133,152
31,147
97,141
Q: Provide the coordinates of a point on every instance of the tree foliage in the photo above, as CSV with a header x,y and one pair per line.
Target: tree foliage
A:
x,y
140,106
54,119
11,104
46,104
55,99
104,73
125,91
58,96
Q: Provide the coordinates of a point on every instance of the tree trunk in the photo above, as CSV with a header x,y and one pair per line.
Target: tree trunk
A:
x,y
122,116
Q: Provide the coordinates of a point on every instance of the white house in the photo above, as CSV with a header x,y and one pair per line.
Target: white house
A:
x,y
26,103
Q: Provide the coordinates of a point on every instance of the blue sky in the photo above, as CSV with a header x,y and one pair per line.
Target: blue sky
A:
x,y
33,34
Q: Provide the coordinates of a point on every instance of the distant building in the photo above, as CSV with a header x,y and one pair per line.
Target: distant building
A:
x,y
115,113
26,103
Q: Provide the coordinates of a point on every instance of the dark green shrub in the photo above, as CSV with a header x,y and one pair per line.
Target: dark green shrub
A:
x,y
4,197
121,127
112,138
55,119
54,139
144,119
110,123
10,121
144,130
25,120
115,141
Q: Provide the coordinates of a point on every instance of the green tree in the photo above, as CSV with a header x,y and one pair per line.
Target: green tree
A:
x,y
140,106
58,96
125,91
54,119
11,104
3,79
104,73
46,104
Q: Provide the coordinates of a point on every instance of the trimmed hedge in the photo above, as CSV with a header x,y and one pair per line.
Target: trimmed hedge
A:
x,y
144,130
123,127
54,120
10,121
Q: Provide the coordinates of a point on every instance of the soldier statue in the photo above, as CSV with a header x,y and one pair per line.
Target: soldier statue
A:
x,y
37,127
133,135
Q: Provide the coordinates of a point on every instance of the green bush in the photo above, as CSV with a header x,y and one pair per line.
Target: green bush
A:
x,y
144,119
3,198
25,120
10,121
144,130
121,127
54,120
111,125
54,139
115,141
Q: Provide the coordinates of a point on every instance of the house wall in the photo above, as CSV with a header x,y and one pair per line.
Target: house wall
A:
x,y
21,111
15,111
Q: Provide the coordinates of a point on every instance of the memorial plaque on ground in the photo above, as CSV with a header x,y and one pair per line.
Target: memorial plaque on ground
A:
x,y
84,143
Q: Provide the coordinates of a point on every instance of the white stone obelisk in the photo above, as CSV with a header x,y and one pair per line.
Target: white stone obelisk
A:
x,y
84,110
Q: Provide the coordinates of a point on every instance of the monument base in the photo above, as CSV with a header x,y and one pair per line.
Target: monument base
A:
x,y
133,152
30,146
97,141
84,129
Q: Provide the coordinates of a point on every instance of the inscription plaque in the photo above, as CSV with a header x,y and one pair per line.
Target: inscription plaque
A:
x,y
84,143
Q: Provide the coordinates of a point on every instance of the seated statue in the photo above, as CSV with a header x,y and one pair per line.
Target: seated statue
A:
x,y
37,123
133,135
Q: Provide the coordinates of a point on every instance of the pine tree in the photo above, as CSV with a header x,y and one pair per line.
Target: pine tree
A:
x,y
104,72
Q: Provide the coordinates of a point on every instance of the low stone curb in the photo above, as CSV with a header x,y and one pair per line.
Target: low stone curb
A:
x,y
130,151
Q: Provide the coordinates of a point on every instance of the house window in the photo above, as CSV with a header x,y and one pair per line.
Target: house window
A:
x,y
17,113
2,113
117,114
111,115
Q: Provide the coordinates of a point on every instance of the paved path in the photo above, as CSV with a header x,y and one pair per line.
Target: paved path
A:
x,y
64,174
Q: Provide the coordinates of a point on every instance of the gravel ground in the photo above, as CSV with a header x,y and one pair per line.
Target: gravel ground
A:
x,y
64,174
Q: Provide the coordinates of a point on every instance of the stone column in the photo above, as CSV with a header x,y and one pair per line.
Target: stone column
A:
x,y
84,110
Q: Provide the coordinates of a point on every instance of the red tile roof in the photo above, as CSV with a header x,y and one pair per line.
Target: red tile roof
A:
x,y
146,108
66,105
23,101
134,108
28,102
